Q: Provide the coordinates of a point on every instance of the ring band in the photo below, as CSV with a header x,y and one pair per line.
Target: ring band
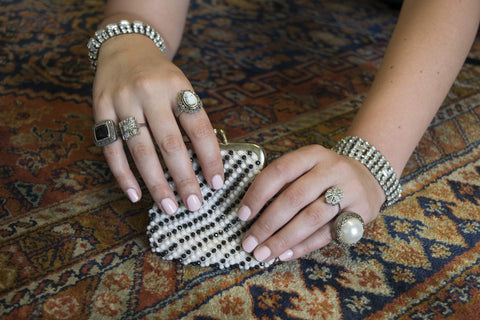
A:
x,y
129,128
189,102
104,133
348,228
333,196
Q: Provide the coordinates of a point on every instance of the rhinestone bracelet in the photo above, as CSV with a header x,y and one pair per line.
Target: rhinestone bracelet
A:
x,y
370,157
116,29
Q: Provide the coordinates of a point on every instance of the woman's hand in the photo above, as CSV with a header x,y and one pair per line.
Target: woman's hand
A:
x,y
134,78
299,221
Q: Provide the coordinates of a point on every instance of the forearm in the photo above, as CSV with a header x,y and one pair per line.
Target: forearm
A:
x,y
165,16
425,54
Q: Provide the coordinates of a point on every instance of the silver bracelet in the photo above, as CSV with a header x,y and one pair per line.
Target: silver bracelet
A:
x,y
370,157
116,29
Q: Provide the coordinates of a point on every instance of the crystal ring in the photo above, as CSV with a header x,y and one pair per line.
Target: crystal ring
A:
x,y
333,196
348,228
104,133
129,128
188,101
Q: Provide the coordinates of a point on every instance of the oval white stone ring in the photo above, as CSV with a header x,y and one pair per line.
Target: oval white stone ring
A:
x,y
348,228
189,102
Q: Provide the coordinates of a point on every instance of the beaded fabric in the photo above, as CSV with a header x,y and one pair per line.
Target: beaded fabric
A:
x,y
212,235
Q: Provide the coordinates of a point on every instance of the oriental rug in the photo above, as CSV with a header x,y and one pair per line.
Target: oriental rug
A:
x,y
279,73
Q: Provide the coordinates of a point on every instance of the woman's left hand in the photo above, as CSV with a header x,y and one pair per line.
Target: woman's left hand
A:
x,y
298,220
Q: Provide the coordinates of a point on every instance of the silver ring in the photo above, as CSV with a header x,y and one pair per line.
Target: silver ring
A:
x,y
130,128
333,196
348,228
104,133
189,102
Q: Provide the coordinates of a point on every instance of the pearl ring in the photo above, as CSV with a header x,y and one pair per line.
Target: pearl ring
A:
x,y
348,228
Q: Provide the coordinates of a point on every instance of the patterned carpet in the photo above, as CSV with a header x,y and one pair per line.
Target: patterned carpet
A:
x,y
280,73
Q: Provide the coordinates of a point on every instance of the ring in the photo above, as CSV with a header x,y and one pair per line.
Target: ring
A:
x,y
348,228
333,196
104,133
188,101
129,128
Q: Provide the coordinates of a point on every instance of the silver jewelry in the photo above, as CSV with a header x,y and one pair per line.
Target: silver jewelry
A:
x,y
116,29
130,128
370,157
104,133
333,196
188,101
348,228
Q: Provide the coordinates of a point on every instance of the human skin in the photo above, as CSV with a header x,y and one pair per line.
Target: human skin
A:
x,y
425,54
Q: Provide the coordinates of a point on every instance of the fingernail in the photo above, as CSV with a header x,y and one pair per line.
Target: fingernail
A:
x,y
249,244
169,206
193,203
217,182
133,195
262,253
287,255
244,213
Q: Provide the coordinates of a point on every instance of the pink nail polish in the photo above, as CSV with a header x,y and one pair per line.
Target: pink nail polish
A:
x,y
262,253
193,203
287,255
249,244
217,182
244,213
169,206
133,195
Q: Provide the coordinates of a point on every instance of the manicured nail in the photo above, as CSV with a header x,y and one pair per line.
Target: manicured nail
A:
x,y
262,253
169,206
217,182
287,255
133,195
249,244
244,213
193,203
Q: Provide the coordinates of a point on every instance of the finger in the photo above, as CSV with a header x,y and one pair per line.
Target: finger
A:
x,y
274,177
115,155
302,226
200,131
315,241
148,165
175,155
118,163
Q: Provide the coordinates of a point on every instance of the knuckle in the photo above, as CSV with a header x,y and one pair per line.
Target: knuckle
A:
x,y
141,150
171,144
280,168
265,228
295,197
159,190
281,242
313,216
202,130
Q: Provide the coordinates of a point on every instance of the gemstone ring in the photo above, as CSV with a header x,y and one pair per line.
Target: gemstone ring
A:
x,y
104,133
189,102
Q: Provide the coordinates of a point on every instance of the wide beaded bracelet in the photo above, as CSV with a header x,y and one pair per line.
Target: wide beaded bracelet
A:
x,y
116,29
370,157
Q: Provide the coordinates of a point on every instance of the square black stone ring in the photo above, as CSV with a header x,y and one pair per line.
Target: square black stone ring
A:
x,y
104,133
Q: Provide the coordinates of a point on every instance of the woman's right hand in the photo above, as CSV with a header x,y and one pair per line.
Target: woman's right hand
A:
x,y
134,78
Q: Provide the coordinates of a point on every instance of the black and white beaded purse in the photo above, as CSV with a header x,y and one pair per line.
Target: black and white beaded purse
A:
x,y
211,236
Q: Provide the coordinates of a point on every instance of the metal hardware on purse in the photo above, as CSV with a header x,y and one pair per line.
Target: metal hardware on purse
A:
x,y
211,236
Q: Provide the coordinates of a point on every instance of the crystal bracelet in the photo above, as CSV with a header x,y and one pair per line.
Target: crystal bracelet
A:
x,y
116,29
370,157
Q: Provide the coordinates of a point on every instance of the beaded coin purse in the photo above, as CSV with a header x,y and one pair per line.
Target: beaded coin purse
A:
x,y
211,236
